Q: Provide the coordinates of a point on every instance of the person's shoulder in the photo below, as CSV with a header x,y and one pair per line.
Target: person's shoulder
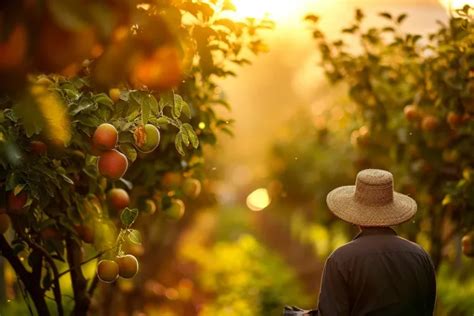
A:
x,y
413,246
366,246
344,251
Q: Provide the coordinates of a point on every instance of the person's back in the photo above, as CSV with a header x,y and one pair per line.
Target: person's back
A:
x,y
378,273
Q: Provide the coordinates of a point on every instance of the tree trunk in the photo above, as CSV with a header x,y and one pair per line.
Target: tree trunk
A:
x,y
436,239
33,288
79,282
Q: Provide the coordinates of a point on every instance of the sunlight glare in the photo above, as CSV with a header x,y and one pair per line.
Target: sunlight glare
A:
x,y
273,9
456,4
258,199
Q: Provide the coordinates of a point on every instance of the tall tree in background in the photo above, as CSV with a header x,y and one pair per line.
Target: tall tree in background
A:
x,y
414,107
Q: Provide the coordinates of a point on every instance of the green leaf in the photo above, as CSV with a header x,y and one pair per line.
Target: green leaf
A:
x,y
12,181
359,15
228,23
401,17
67,179
186,110
185,138
228,6
142,100
128,216
89,120
166,99
177,105
199,9
386,15
311,18
127,183
82,105
18,188
28,113
178,143
129,151
104,99
146,110
151,102
163,120
191,134
135,237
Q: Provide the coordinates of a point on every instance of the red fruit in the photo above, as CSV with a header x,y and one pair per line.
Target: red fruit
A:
x,y
191,187
161,70
86,233
118,199
171,180
13,49
412,113
38,147
112,164
175,210
107,271
429,123
454,119
146,138
114,94
16,203
149,207
105,137
466,117
468,245
128,266
50,233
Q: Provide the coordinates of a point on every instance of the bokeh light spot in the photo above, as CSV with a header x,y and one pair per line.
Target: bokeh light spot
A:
x,y
258,199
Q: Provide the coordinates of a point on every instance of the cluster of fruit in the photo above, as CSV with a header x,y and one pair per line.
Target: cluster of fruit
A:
x,y
112,163
125,266
57,38
429,122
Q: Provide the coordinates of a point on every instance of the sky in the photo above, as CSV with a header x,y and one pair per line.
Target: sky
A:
x,y
265,94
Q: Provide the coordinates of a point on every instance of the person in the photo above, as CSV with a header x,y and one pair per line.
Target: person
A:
x,y
378,272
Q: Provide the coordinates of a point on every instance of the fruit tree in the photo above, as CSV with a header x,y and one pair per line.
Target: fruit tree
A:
x,y
414,110
104,104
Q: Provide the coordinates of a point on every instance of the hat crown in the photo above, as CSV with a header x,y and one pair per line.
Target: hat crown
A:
x,y
374,187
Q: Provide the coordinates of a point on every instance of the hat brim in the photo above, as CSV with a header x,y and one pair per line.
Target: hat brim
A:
x,y
342,203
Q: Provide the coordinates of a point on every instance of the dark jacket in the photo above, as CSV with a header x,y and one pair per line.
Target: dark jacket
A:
x,y
378,273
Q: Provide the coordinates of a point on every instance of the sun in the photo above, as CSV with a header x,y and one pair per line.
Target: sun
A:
x,y
456,4
273,9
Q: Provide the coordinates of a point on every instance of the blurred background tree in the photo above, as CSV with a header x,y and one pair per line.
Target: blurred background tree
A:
x,y
409,110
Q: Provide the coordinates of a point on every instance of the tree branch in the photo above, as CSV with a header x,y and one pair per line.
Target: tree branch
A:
x,y
93,286
86,261
41,251
33,289
79,282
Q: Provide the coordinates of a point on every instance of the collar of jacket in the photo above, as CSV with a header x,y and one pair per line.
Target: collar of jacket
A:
x,y
367,231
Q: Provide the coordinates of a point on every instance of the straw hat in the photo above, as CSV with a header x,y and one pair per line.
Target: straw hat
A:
x,y
371,201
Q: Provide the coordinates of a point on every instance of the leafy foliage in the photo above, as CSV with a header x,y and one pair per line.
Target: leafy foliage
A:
x,y
413,98
242,276
73,67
